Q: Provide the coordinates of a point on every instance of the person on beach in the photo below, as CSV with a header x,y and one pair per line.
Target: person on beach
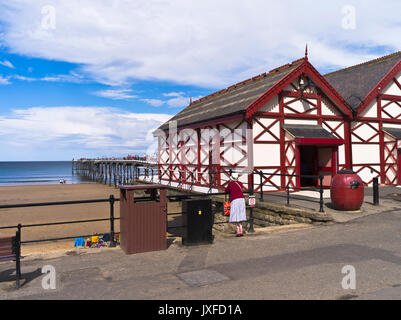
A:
x,y
237,198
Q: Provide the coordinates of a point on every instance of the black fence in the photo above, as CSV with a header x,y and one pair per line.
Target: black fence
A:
x,y
251,186
111,200
149,173
181,197
288,188
155,175
255,187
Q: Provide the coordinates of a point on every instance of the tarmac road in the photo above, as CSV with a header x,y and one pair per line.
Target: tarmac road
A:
x,y
299,264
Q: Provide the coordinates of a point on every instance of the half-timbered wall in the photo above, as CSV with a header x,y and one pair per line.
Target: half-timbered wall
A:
x,y
390,160
365,140
188,157
234,151
203,157
163,157
290,162
374,153
267,147
275,151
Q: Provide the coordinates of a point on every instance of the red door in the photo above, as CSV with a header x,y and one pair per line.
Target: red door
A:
x,y
317,161
326,164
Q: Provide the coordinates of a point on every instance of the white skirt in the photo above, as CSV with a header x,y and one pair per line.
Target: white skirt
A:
x,y
238,210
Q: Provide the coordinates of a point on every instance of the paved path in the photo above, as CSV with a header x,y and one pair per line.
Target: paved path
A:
x,y
291,263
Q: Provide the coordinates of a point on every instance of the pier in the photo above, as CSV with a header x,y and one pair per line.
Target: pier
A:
x,y
115,171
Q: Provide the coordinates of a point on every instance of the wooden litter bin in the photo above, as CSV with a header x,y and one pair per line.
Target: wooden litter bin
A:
x,y
143,218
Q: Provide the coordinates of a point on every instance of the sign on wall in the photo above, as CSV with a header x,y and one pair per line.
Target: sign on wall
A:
x,y
252,201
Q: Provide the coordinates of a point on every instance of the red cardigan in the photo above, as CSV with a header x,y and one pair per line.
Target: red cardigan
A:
x,y
235,190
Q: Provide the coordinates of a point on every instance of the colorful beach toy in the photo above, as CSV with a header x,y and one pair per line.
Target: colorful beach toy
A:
x,y
79,242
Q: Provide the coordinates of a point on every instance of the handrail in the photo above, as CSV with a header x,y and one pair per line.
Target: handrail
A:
x,y
111,200
57,203
212,183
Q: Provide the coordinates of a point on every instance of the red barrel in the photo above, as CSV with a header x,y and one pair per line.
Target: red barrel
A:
x,y
347,191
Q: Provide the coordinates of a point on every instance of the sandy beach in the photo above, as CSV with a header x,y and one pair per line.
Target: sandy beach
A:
x,y
36,215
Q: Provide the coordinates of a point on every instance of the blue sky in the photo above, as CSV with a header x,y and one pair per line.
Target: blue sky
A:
x,y
54,83
95,78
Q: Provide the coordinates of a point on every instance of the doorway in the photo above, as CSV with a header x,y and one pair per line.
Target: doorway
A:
x,y
308,165
315,161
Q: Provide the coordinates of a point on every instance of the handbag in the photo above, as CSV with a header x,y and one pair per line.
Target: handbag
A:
x,y
227,207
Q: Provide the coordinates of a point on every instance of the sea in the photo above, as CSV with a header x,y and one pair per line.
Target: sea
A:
x,y
37,172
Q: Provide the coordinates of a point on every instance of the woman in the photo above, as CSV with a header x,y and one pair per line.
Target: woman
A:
x,y
237,198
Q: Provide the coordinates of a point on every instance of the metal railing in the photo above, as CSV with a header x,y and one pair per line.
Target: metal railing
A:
x,y
174,198
179,198
111,200
191,178
212,182
287,188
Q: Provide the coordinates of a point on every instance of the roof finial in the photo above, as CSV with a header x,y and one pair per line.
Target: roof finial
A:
x,y
306,52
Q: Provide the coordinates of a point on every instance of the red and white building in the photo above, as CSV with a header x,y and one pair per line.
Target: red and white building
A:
x,y
373,90
289,121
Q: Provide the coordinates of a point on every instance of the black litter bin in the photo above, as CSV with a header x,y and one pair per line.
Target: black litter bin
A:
x,y
198,219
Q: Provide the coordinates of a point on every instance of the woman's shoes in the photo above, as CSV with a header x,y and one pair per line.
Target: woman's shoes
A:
x,y
239,235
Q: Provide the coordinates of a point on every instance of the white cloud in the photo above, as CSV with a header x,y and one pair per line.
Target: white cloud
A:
x,y
178,102
154,102
98,130
4,80
115,94
72,77
7,64
173,94
208,43
24,78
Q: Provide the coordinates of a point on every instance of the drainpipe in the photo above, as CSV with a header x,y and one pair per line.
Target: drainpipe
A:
x,y
354,117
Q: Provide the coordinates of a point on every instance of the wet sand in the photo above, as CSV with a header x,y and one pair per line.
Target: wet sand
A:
x,y
60,213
